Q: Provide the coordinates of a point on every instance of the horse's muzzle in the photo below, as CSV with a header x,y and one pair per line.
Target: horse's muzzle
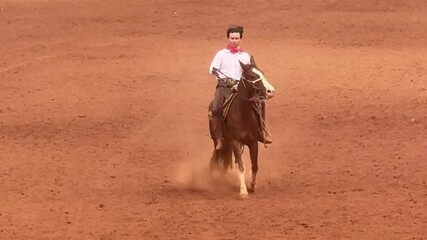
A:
x,y
269,94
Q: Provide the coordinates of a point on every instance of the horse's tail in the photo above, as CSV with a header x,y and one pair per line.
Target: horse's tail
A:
x,y
222,158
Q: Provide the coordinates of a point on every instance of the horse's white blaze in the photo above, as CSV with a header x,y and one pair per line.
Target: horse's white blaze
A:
x,y
267,85
241,175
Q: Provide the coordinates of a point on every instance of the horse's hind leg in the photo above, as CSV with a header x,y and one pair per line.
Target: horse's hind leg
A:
x,y
253,152
213,164
222,160
238,151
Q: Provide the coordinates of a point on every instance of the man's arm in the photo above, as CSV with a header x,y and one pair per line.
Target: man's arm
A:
x,y
216,64
215,72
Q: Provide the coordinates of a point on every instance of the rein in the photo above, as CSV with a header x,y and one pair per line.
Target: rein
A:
x,y
255,101
217,70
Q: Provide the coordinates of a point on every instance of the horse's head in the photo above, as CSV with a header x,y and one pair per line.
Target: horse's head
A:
x,y
252,77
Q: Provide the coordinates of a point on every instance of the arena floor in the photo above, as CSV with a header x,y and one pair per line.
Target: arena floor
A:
x,y
104,135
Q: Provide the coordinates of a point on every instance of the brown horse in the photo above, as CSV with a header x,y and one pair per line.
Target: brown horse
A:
x,y
242,125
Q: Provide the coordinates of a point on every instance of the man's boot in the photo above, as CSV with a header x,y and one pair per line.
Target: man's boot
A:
x,y
266,137
216,125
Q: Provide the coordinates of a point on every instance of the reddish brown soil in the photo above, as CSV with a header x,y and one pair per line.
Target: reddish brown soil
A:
x,y
103,129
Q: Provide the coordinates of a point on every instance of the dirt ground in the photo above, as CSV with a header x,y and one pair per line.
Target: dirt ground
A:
x,y
103,129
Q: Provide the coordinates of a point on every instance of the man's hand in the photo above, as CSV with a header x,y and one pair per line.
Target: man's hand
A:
x,y
234,88
215,72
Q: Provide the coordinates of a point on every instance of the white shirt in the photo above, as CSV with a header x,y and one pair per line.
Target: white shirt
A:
x,y
228,63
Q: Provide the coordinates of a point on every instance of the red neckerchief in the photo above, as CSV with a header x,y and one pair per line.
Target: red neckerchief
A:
x,y
233,49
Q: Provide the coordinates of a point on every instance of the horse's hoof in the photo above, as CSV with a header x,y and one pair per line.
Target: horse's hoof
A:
x,y
244,196
250,187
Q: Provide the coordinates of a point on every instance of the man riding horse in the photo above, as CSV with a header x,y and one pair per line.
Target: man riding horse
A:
x,y
228,71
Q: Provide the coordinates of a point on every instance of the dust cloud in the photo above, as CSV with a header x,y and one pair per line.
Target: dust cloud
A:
x,y
194,174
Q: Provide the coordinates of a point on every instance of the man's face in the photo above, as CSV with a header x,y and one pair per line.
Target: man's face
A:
x,y
234,39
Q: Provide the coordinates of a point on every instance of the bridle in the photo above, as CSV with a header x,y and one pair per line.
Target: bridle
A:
x,y
257,91
256,96
252,82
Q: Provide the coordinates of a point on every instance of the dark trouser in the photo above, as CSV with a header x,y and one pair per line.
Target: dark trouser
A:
x,y
223,90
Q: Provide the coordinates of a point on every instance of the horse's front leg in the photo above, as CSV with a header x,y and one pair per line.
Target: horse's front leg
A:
x,y
238,151
253,152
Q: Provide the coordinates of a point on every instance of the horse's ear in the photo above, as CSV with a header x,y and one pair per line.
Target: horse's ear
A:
x,y
244,66
253,61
